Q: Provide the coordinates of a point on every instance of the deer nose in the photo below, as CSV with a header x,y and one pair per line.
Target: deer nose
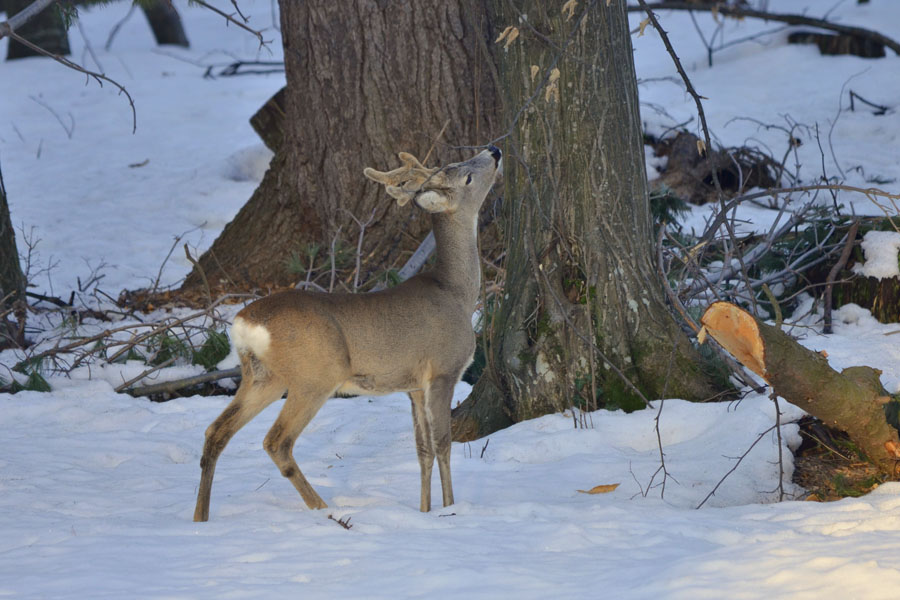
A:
x,y
495,153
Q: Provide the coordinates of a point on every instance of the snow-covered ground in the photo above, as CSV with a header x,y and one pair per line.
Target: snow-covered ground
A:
x,y
97,489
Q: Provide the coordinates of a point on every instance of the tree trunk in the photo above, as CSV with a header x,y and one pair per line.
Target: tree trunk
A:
x,y
580,282
46,29
365,80
165,23
852,400
12,281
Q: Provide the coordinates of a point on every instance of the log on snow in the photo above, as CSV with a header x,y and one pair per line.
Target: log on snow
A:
x,y
852,400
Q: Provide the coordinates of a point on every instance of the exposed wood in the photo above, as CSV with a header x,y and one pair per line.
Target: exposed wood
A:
x,y
852,400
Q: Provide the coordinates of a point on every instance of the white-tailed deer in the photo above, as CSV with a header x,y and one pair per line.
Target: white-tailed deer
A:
x,y
416,337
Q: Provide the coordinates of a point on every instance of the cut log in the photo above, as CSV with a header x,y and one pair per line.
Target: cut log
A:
x,y
852,400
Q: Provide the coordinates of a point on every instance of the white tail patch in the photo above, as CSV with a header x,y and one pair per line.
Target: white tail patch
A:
x,y
250,337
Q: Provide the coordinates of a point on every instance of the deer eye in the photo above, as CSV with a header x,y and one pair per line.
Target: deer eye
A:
x,y
468,179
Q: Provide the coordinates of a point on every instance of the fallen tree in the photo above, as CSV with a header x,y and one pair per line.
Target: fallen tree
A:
x,y
852,400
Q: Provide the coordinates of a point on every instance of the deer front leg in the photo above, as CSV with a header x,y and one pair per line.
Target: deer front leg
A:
x,y
423,447
438,398
249,401
298,411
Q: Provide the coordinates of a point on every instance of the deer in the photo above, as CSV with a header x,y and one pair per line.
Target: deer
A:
x,y
416,337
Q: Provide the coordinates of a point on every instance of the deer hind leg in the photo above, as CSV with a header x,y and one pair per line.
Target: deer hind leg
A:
x,y
438,398
423,447
299,409
251,398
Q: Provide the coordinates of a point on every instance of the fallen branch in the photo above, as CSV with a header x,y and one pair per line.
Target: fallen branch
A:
x,y
852,400
173,386
731,10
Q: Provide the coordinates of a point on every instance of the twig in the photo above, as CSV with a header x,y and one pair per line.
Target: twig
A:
x,y
774,398
362,232
117,27
201,272
736,465
231,19
149,371
833,273
69,129
732,10
87,45
344,522
98,77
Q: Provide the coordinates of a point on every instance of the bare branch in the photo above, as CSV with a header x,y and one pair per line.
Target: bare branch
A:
x,y
231,19
98,77
732,10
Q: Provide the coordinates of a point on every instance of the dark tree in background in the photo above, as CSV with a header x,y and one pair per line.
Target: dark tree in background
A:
x,y
12,281
47,29
364,80
580,282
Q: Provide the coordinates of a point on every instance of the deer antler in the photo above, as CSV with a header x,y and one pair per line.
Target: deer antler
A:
x,y
403,183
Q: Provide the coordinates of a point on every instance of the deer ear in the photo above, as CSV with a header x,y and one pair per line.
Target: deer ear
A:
x,y
433,202
399,194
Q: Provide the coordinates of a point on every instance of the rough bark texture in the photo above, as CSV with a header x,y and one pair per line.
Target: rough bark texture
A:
x,y
165,22
852,400
578,232
46,30
365,79
12,281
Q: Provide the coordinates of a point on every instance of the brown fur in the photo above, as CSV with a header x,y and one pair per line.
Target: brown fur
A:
x,y
415,338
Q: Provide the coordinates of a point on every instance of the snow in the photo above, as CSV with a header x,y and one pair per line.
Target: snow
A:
x,y
97,489
880,249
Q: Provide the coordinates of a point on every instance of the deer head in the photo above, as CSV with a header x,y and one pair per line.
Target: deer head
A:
x,y
443,189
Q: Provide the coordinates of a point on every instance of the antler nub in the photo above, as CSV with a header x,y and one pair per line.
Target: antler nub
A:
x,y
403,183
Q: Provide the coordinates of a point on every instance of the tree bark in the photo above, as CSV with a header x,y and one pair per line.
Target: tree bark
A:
x,y
852,400
580,282
47,30
365,80
165,23
12,281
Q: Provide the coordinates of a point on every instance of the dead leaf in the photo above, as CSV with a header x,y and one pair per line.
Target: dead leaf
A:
x,y
643,26
509,34
569,7
701,147
600,489
552,86
534,72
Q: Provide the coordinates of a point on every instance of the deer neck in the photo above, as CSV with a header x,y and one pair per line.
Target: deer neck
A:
x,y
457,265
